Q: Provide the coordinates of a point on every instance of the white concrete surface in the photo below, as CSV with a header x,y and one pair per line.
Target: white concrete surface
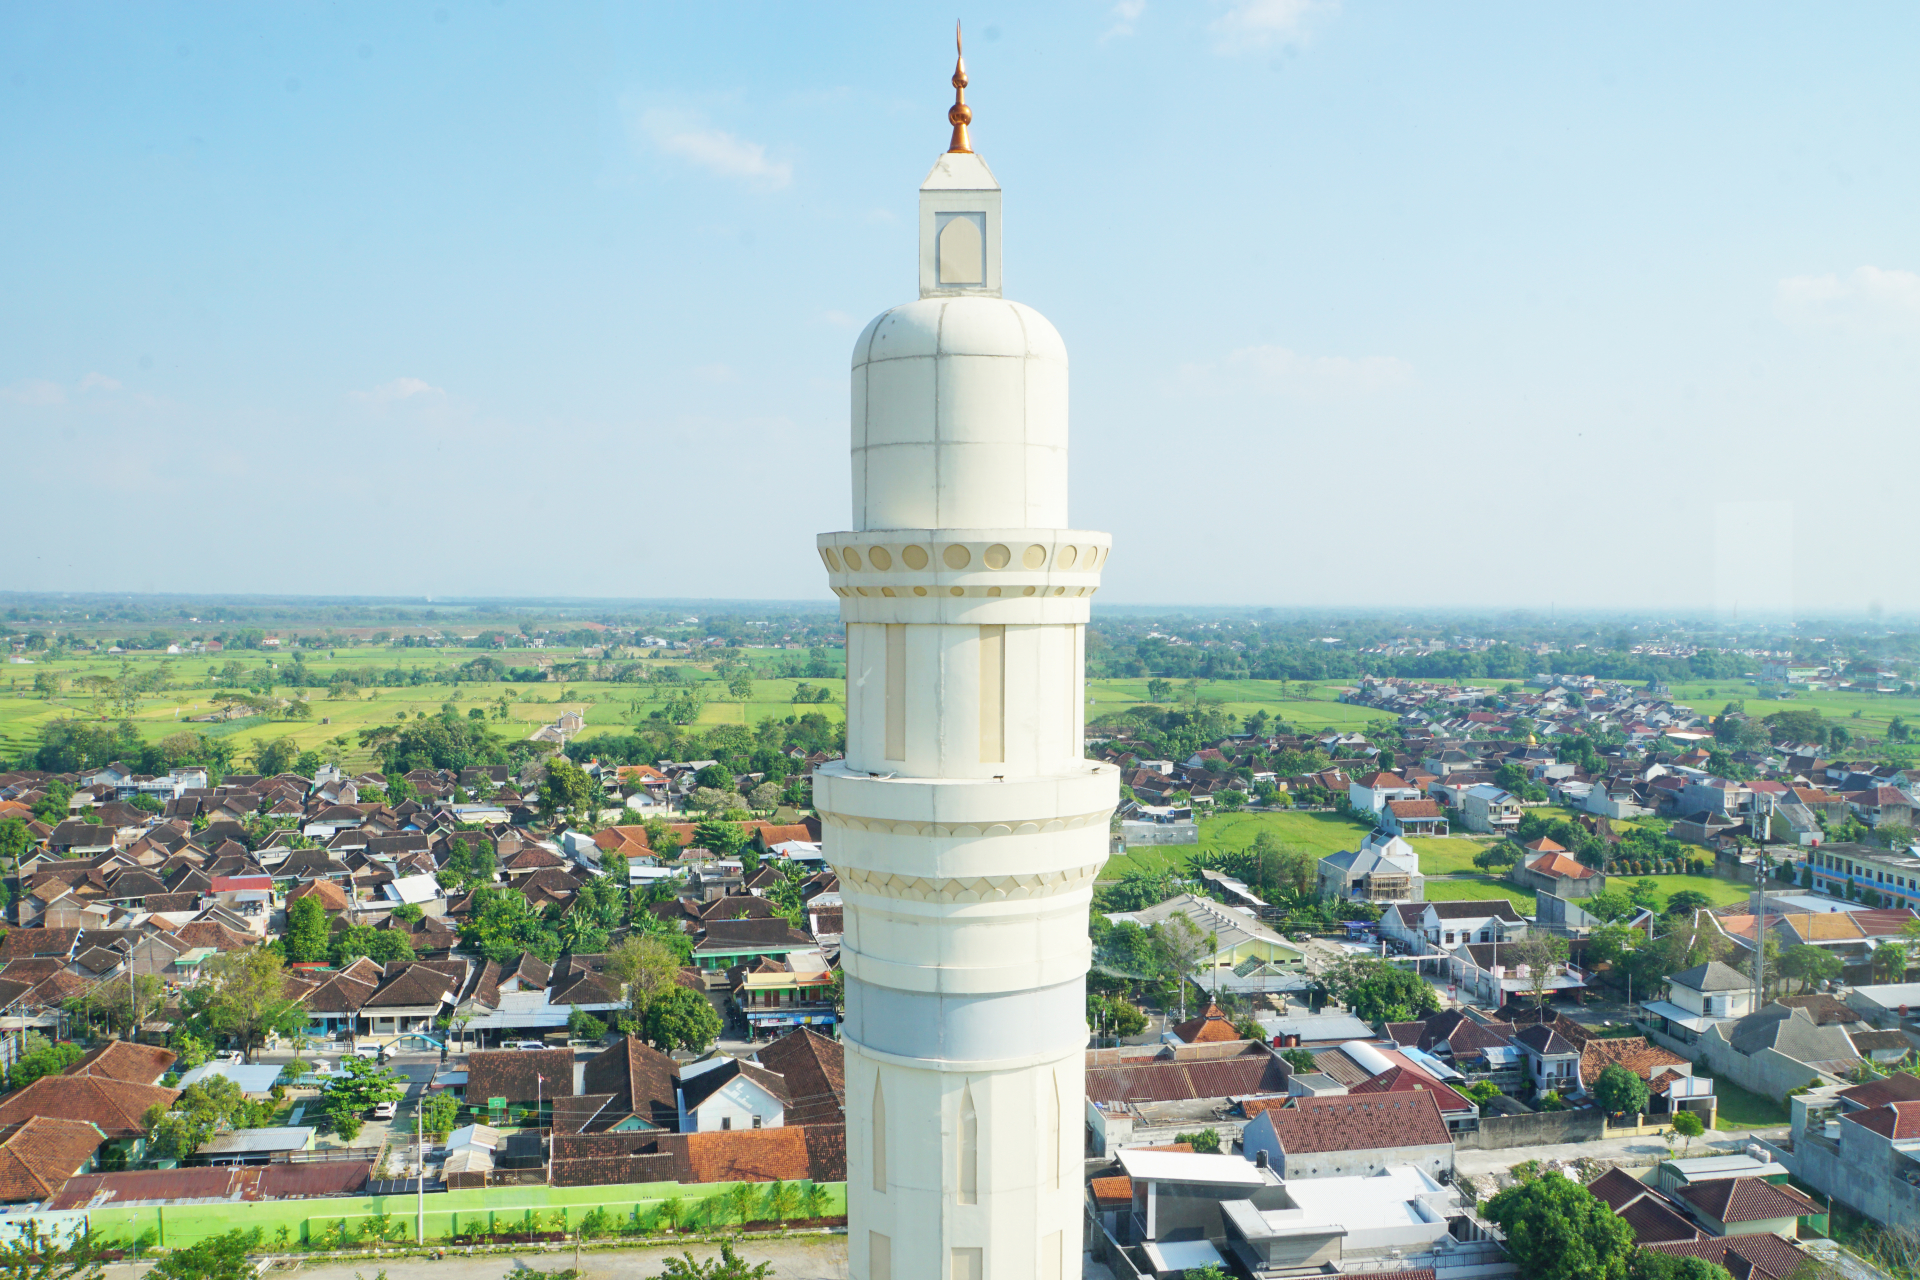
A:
x,y
965,824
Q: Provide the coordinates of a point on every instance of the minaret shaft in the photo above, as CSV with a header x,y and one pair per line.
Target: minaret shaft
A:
x,y
965,824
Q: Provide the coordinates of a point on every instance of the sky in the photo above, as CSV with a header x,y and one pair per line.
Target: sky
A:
x,y
1368,305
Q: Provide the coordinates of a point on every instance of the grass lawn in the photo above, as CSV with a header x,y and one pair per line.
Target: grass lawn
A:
x,y
1446,856
1320,833
1483,889
1723,892
1743,1109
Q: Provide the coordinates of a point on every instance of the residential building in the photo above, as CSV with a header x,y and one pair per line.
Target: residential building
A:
x,y
1334,1137
1696,999
1488,809
1384,869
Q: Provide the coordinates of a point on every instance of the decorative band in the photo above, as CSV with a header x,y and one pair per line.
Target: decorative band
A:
x,y
1034,884
966,830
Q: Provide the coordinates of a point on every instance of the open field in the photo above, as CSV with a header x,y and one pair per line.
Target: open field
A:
x,y
1722,892
1320,832
1875,710
1304,705
513,710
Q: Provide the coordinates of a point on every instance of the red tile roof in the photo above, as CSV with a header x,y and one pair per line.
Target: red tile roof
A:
x,y
37,1158
1732,1200
1896,1120
121,1060
112,1106
1360,1124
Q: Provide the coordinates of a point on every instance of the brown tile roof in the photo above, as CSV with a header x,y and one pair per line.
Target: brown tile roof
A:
x,y
1654,1223
1896,1120
1360,1124
121,1060
1733,1200
23,944
1618,1188
1170,1080
112,1106
1110,1192
1898,1087
748,1155
640,1078
332,896
412,986
1631,1052
38,1157
1211,1027
1559,864
814,1069
518,1076
1763,1256
1408,1080
232,1183
1824,1008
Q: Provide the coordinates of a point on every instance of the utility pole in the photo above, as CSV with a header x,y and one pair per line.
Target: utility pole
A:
x,y
420,1182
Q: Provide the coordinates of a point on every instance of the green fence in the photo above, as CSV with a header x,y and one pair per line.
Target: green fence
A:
x,y
448,1213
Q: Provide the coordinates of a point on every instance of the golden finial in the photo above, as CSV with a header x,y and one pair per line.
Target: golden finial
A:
x,y
959,115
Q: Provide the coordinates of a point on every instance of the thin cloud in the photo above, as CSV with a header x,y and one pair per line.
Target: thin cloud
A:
x,y
1865,298
99,382
685,135
34,391
1274,370
1124,15
398,390
1252,25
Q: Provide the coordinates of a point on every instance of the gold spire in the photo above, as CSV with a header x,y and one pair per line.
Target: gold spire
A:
x,y
959,115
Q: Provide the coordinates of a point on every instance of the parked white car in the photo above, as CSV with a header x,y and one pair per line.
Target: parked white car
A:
x,y
374,1051
228,1055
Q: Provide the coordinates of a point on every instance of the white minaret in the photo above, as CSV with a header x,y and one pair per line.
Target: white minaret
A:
x,y
965,824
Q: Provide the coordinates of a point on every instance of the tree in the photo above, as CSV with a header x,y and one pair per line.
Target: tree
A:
x,y
384,945
438,1111
307,930
1608,905
1620,1092
582,1025
1556,1229
1687,901
568,788
1300,1060
645,967
1377,991
276,756
1809,965
1497,857
1689,1126
1205,1143
681,1019
503,923
1159,690
223,1257
39,1058
34,1254
245,997
362,1083
1645,893
1651,1264
1538,953
1890,961
728,1266
1178,945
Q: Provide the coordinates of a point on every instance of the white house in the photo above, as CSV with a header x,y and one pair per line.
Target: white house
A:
x,y
726,1093
1370,792
1698,998
1487,808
